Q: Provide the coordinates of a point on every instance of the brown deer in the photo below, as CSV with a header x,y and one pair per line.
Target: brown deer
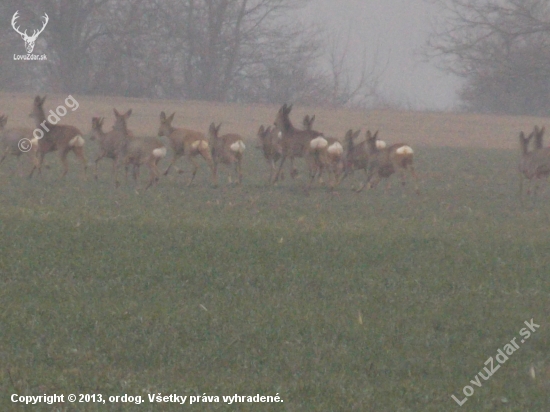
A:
x,y
533,164
145,151
309,144
227,149
56,137
16,142
387,161
333,161
356,155
186,142
270,144
112,145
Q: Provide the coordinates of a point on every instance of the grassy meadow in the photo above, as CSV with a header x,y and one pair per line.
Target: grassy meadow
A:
x,y
338,301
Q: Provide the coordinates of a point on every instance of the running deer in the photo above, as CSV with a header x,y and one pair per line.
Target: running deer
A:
x,y
186,142
16,142
356,155
333,159
309,144
147,151
533,164
227,149
56,137
389,160
112,145
270,144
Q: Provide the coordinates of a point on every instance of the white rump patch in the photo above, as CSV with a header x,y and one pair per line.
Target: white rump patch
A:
x,y
280,135
404,150
318,143
76,141
335,149
380,144
159,152
238,146
199,144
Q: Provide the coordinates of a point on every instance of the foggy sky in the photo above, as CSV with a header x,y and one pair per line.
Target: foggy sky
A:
x,y
397,29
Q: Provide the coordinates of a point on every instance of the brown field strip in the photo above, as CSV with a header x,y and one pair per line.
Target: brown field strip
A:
x,y
415,128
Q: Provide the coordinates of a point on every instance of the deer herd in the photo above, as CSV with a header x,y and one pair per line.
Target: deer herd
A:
x,y
279,142
322,154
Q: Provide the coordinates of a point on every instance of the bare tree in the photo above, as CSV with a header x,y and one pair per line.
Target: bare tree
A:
x,y
351,80
500,47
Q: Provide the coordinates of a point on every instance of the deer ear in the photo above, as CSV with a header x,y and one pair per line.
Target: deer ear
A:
x,y
162,116
115,111
357,132
261,130
289,109
43,100
171,117
541,132
128,113
312,119
375,135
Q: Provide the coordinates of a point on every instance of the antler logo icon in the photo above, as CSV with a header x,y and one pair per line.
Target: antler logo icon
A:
x,y
29,40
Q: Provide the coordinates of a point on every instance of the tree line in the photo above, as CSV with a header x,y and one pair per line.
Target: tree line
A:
x,y
501,48
217,50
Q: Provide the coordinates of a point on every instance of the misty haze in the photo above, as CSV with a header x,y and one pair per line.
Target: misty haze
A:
x,y
280,205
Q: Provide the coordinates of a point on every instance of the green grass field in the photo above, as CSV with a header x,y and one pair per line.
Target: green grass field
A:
x,y
379,301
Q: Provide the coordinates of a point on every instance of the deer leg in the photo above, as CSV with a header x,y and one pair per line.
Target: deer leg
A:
x,y
101,155
271,169
207,156
38,164
153,167
280,168
313,171
174,159
64,162
115,172
293,170
363,184
194,170
79,153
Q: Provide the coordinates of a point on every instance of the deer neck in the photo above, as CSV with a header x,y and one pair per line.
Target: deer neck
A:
x,y
287,127
40,117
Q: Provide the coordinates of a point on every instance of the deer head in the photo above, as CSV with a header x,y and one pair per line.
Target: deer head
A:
x,y
29,40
